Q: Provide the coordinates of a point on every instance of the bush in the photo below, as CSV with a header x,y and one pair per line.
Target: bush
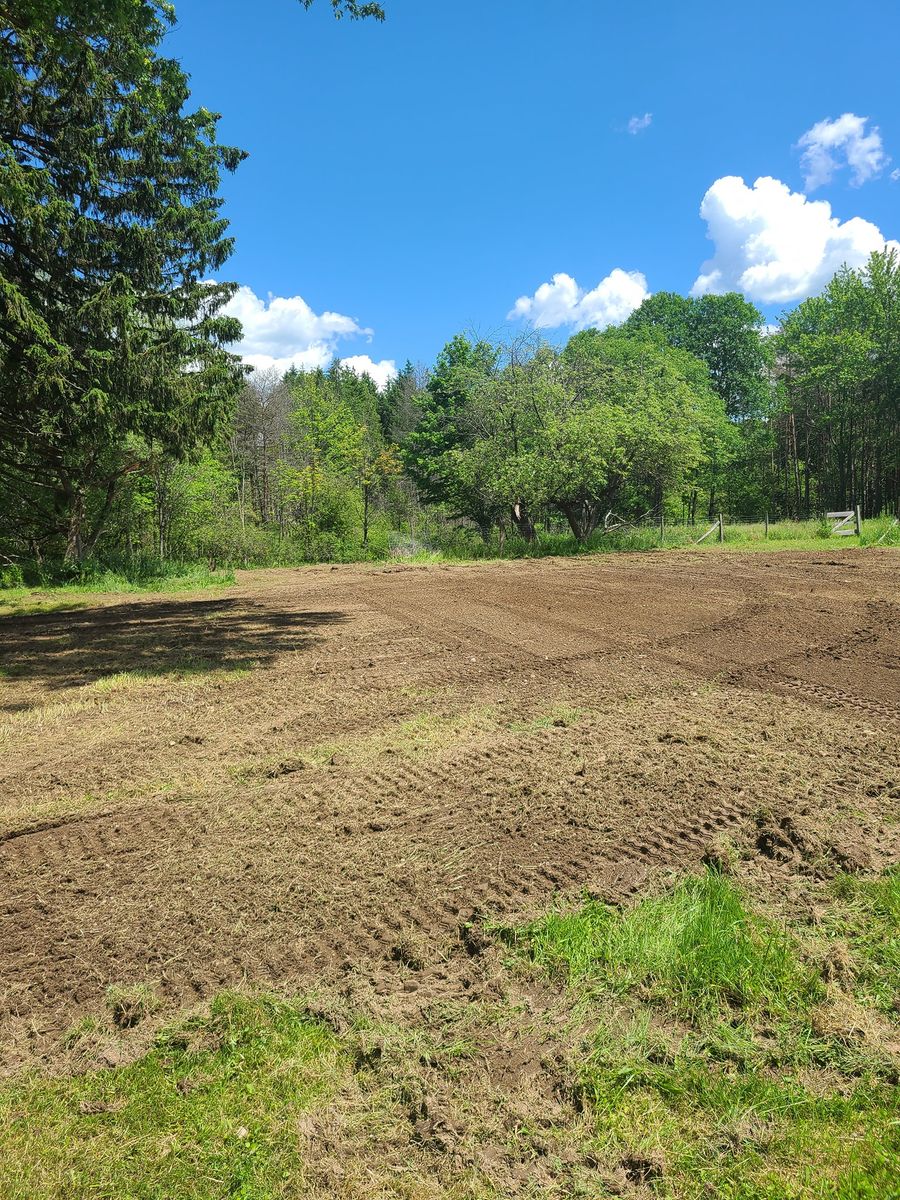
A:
x,y
12,576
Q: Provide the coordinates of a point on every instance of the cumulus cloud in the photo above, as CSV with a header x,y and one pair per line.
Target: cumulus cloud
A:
x,y
831,145
284,332
638,124
895,175
563,302
381,373
775,245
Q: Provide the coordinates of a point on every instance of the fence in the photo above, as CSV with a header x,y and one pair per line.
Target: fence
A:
x,y
458,539
756,526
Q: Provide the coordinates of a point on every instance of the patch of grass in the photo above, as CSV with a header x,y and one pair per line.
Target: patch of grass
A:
x,y
866,917
61,594
706,1054
697,948
128,1006
463,545
24,602
191,670
82,1031
560,715
212,1111
122,681
41,715
413,737
175,577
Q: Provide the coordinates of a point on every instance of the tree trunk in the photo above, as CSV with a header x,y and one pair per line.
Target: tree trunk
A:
x,y
74,535
583,519
522,521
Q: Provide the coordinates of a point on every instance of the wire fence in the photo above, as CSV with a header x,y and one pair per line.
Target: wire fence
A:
x,y
848,522
456,538
755,525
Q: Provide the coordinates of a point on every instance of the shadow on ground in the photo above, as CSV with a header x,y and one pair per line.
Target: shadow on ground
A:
x,y
61,650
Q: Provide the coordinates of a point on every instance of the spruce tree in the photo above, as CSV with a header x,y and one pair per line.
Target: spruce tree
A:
x,y
111,340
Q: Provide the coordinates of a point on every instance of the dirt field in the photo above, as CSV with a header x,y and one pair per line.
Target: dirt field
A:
x,y
295,780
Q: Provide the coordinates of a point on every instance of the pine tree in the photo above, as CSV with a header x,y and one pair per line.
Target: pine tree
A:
x,y
110,232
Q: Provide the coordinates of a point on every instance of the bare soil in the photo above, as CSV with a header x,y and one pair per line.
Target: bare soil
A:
x,y
327,777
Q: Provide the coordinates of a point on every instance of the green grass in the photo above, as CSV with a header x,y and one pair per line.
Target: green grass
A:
x,y
34,590
705,1053
51,592
697,1058
188,670
173,578
697,948
23,601
464,545
210,1112
866,918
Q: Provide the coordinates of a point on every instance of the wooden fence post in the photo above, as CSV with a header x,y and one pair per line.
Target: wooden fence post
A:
x,y
662,528
767,526
721,529
858,521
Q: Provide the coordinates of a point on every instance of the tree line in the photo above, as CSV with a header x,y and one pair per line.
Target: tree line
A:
x,y
129,428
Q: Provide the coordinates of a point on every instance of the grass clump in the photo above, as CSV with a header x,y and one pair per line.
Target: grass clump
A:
x,y
865,916
697,947
704,1052
210,1112
128,1006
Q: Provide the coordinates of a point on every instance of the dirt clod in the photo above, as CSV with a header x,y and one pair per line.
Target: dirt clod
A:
x,y
642,1168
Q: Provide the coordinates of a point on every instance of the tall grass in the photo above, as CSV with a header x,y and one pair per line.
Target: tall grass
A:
x,y
140,574
442,544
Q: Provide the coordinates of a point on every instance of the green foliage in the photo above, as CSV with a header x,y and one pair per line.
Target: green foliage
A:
x,y
125,433
112,344
724,332
463,370
109,335
841,397
355,9
696,947
610,421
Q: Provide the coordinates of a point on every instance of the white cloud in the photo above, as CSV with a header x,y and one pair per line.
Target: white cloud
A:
x,y
381,373
775,245
563,302
895,175
284,331
638,124
831,145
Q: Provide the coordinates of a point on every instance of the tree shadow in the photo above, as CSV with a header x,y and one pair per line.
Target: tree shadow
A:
x,y
151,638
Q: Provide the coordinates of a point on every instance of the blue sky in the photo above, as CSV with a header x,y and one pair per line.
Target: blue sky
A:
x,y
417,177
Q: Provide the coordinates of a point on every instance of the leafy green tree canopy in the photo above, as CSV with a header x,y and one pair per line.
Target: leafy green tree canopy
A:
x,y
726,332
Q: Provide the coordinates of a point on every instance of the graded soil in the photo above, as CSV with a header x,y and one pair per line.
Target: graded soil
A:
x,y
333,777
